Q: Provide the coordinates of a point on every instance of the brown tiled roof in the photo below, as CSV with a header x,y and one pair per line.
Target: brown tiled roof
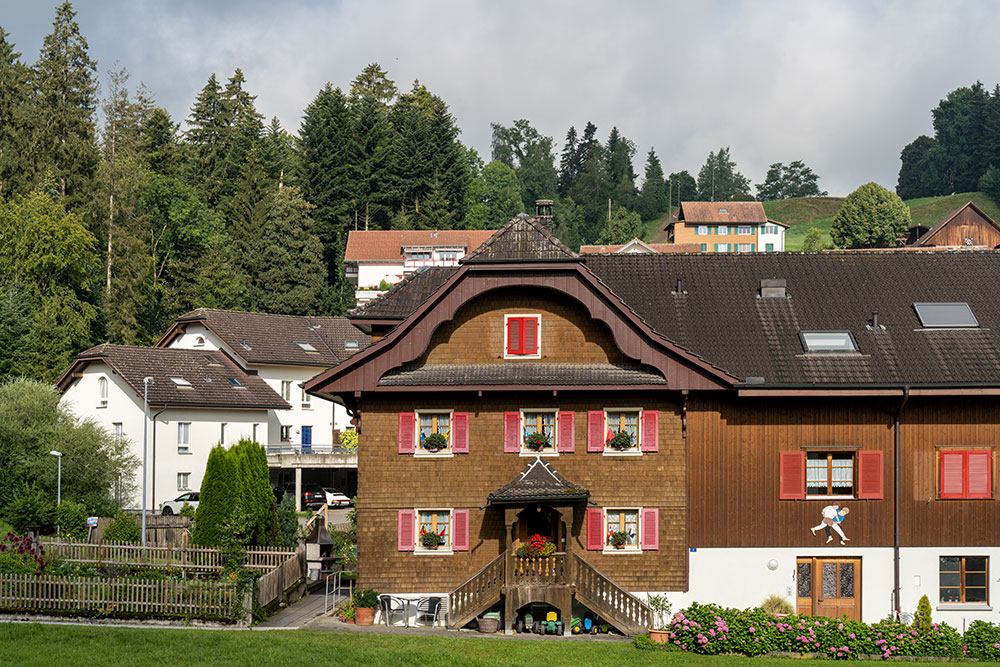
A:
x,y
521,373
522,238
388,245
658,247
262,338
207,372
405,296
720,317
538,481
736,212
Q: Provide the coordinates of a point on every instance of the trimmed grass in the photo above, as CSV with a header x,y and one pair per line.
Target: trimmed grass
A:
x,y
931,210
25,644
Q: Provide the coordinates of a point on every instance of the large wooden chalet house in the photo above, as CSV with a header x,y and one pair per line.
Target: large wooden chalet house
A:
x,y
819,426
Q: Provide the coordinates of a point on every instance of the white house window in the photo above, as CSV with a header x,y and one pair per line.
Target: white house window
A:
x,y
286,389
744,247
199,341
744,229
770,229
421,256
538,422
830,474
306,400
183,481
435,521
622,422
449,255
431,423
102,392
702,230
723,229
721,247
183,437
117,430
286,433
621,529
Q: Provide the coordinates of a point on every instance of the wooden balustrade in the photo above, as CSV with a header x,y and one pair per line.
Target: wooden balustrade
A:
x,y
627,612
538,571
478,593
277,581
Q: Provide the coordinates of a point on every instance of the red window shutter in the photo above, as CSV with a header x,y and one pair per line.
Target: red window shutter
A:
x,y
530,336
870,475
595,530
512,431
514,336
595,431
792,476
460,432
650,431
980,480
952,474
460,537
407,432
407,528
567,432
650,540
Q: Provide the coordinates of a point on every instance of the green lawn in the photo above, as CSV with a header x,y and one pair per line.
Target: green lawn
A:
x,y
89,645
931,210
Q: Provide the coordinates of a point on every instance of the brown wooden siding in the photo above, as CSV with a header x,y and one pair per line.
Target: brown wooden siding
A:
x,y
476,334
734,447
389,482
967,224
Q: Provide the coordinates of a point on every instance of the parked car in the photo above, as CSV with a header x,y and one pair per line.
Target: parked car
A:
x,y
335,498
312,494
174,506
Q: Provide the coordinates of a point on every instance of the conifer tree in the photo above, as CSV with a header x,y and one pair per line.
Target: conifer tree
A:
x,y
502,194
653,197
209,120
218,500
255,499
159,142
293,278
14,126
718,179
567,163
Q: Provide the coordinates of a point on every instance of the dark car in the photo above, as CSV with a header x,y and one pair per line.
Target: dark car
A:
x,y
313,495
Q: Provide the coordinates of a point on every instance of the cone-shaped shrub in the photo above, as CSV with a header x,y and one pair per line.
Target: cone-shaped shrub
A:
x,y
219,490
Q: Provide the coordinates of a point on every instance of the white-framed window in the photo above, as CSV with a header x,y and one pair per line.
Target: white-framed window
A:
x,y
116,429
723,229
744,247
744,230
621,523
770,229
102,392
437,521
448,255
618,421
183,437
222,434
702,230
306,400
721,247
286,390
286,433
704,247
541,421
199,341
433,423
522,336
183,481
419,255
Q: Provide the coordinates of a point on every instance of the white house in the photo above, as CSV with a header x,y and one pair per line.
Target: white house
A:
x,y
197,399
374,256
771,236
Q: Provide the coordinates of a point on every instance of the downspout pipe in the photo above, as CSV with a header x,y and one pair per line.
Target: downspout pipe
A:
x,y
895,500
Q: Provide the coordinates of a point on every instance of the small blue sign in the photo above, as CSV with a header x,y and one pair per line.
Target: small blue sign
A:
x,y
92,521
693,549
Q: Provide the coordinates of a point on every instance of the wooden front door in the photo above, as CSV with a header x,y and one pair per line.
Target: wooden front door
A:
x,y
829,587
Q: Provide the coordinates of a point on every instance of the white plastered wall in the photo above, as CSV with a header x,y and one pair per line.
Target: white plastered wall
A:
x,y
918,575
777,239
370,274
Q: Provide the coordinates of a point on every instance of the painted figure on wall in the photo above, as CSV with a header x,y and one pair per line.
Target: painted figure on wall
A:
x,y
833,516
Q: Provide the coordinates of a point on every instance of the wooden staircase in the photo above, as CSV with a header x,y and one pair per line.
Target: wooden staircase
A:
x,y
624,611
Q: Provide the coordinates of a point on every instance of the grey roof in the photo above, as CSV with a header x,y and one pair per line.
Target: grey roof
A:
x,y
521,373
522,238
538,481
405,296
207,373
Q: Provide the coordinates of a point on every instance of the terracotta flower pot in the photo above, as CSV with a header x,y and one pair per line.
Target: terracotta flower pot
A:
x,y
659,636
364,615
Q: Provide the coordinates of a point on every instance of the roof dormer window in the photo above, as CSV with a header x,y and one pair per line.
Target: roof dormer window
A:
x,y
828,342
723,211
956,315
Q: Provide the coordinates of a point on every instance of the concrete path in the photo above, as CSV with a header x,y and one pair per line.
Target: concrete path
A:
x,y
298,614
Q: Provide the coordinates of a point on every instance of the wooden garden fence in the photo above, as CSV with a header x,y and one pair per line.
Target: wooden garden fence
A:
x,y
120,596
196,559
277,581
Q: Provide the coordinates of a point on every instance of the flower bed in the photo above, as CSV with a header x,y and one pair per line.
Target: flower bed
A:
x,y
710,629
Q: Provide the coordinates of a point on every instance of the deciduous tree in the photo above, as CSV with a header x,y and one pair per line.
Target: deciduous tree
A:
x,y
871,217
785,182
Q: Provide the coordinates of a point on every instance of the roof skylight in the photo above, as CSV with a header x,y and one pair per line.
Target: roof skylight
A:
x,y
235,382
350,344
306,346
828,341
181,382
955,315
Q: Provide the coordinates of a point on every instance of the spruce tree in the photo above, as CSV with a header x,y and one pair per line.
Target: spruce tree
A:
x,y
293,277
653,196
718,179
567,163
14,126
209,124
218,500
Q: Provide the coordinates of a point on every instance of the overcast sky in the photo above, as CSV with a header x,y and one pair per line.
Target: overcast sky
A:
x,y
842,86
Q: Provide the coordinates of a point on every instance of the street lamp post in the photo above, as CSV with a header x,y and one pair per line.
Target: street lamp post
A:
x,y
146,381
58,456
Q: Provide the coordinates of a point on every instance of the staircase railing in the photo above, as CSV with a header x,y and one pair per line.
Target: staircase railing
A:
x,y
619,607
542,571
478,593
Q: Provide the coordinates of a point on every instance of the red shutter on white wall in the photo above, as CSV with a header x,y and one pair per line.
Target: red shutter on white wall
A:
x,y
407,528
567,432
980,479
460,432
650,539
595,530
595,431
870,475
407,432
650,431
792,476
460,538
952,474
512,431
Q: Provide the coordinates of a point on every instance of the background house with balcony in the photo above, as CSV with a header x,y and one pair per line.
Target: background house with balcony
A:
x,y
197,399
284,351
731,226
375,256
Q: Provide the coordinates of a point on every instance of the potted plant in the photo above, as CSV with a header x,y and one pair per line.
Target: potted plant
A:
x,y
661,607
431,540
621,441
434,442
537,441
536,547
618,538
365,603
